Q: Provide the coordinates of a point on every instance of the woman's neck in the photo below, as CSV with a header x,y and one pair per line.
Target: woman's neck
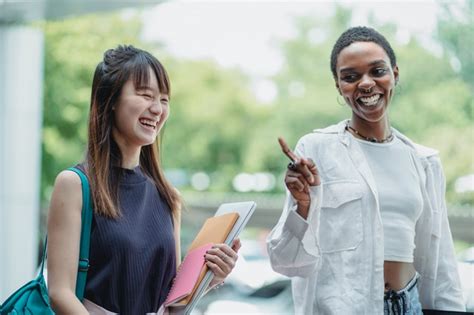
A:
x,y
130,161
378,130
130,153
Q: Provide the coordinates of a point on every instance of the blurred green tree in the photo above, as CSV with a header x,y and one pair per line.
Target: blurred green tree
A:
x,y
456,34
212,114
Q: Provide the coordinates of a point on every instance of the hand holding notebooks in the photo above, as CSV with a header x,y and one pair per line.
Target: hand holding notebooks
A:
x,y
224,227
188,274
193,269
245,211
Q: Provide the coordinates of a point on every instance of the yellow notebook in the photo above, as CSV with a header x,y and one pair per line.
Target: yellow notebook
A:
x,y
215,230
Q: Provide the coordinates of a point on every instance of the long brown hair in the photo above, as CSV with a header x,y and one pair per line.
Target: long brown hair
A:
x,y
118,66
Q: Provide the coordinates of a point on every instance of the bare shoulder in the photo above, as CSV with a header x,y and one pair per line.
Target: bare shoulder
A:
x,y
67,194
67,180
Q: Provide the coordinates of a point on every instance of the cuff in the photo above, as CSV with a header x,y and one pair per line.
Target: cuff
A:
x,y
296,224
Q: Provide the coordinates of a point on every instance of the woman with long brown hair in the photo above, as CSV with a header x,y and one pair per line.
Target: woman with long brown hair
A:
x,y
135,238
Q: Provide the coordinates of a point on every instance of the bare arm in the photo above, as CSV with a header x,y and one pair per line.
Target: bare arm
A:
x,y
64,234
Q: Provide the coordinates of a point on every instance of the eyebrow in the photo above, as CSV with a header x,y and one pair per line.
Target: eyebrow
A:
x,y
146,89
373,63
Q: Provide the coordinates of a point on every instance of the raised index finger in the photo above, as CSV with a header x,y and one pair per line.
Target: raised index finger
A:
x,y
286,150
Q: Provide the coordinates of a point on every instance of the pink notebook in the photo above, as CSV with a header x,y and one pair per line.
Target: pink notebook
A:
x,y
187,275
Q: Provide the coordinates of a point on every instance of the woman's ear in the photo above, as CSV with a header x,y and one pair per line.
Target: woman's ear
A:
x,y
396,74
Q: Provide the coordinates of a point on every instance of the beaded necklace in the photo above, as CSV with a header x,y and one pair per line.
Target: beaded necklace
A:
x,y
370,139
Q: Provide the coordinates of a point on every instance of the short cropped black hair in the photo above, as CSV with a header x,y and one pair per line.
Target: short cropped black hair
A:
x,y
360,34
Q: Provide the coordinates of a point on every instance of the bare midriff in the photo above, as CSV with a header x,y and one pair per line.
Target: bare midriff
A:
x,y
397,274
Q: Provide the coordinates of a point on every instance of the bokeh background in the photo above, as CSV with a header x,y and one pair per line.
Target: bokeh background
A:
x,y
242,74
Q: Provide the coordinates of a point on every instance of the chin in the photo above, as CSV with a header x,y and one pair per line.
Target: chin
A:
x,y
144,141
374,119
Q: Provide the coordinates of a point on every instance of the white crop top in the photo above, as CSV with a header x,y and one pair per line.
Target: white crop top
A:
x,y
399,193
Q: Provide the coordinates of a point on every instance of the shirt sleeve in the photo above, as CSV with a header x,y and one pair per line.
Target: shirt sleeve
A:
x,y
293,244
448,292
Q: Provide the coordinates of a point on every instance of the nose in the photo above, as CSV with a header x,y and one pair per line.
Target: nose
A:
x,y
156,108
366,84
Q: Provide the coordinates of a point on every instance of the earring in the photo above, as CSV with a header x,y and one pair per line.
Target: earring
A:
x,y
338,100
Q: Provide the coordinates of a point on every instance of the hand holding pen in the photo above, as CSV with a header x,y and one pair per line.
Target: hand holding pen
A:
x,y
301,173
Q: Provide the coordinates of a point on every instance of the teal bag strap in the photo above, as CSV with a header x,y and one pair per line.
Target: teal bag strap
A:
x,y
85,234
44,256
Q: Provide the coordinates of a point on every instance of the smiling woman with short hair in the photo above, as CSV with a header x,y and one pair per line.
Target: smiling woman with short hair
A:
x,y
364,229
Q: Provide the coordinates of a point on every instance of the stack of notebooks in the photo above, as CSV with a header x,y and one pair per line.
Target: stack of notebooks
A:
x,y
193,276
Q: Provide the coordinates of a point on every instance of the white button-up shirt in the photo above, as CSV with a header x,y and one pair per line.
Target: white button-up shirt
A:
x,y
336,256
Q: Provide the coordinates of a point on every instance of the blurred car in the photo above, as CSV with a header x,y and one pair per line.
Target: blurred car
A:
x,y
272,298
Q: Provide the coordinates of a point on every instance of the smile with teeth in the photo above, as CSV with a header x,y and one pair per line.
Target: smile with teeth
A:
x,y
148,123
369,101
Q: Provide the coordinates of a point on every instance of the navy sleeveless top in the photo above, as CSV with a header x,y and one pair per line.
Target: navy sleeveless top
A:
x,y
132,258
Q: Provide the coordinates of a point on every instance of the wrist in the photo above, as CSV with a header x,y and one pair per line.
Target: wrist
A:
x,y
302,208
216,283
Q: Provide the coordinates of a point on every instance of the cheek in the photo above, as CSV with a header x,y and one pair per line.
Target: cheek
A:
x,y
347,94
124,118
388,83
121,123
132,110
345,89
166,114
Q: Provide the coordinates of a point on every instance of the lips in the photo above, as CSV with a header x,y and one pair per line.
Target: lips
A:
x,y
148,123
369,101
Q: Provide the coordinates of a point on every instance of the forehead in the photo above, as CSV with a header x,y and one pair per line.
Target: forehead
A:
x,y
135,83
360,54
144,79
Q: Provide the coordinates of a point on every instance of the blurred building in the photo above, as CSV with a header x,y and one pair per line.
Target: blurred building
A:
x,y
21,88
